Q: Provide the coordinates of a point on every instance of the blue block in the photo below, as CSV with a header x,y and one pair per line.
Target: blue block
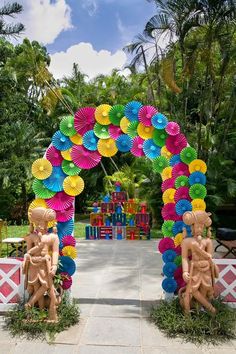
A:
x,y
119,219
92,232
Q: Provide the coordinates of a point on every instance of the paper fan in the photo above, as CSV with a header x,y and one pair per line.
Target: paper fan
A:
x,y
165,244
124,124
188,154
150,149
165,152
90,140
169,269
73,185
67,154
168,212
124,143
169,256
61,142
159,137
178,260
197,177
198,205
68,240
175,144
102,114
166,173
197,191
66,280
114,131
116,114
132,129
137,147
178,227
67,126
167,227
101,131
69,251
41,169
77,139
66,214
132,109
41,191
182,206
174,160
84,158
84,120
69,168
145,115
181,181
160,163
168,183
169,196
60,201
55,181
197,166
107,147
169,285
172,128
54,156
182,193
145,132
178,273
178,239
38,202
180,169
65,228
66,265
159,121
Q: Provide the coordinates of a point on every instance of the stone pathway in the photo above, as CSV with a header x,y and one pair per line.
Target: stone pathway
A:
x,y
116,283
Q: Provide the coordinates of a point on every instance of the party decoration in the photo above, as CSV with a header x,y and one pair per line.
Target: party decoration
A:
x,y
65,228
180,169
61,142
77,139
169,256
167,228
188,154
66,265
137,147
114,131
197,166
175,159
107,147
101,131
68,240
165,244
102,114
73,185
84,158
178,227
197,191
41,191
176,143
169,269
69,251
178,260
132,110
124,143
178,239
90,140
159,121
169,285
38,202
54,156
169,196
67,154
84,120
166,173
145,132
172,128
182,193
165,152
159,137
160,163
132,129
182,206
124,124
67,126
65,215
41,169
66,280
55,181
116,113
145,115
150,149
168,212
197,177
181,181
198,205
60,201
69,168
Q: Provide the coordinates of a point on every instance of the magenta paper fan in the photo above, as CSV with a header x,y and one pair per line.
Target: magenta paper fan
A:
x,y
145,115
114,131
137,147
84,158
68,240
182,193
180,169
60,201
66,214
178,273
175,144
168,183
172,128
178,250
84,120
165,244
66,280
54,156
168,212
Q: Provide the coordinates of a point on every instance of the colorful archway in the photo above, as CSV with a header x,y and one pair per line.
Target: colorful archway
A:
x,y
99,132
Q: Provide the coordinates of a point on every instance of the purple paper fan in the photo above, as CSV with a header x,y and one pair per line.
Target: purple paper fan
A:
x,y
54,156
84,158
172,128
114,131
180,169
175,144
84,119
137,147
145,115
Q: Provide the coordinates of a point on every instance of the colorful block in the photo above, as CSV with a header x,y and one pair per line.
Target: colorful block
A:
x,y
92,232
97,219
119,219
119,232
119,197
106,233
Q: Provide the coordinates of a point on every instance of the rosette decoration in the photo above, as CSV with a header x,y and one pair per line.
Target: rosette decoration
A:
x,y
68,240
124,143
60,201
84,120
132,110
116,113
169,256
107,147
151,150
182,206
159,137
66,214
178,239
41,191
181,181
66,154
137,147
169,196
180,169
102,114
55,181
159,121
197,177
168,212
67,126
160,163
172,128
73,185
174,160
165,152
84,158
145,115
166,173
175,144
41,169
65,228
167,228
114,131
61,142
101,131
198,205
66,265
197,166
169,285
145,132
169,269
165,244
124,125
132,129
182,193
168,183
90,140
178,227
197,191
188,154
66,280
77,139
54,156
69,168
69,251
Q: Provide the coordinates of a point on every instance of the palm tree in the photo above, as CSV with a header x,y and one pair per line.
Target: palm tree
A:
x,y
10,29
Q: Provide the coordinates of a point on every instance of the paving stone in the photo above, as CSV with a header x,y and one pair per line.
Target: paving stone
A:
x,y
108,350
7,348
117,310
71,335
35,347
165,350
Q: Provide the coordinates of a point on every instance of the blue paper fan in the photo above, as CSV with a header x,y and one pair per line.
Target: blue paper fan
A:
x,y
174,160
197,177
169,269
182,206
178,227
66,265
159,121
65,228
150,149
131,110
124,143
169,285
61,142
169,256
55,181
90,140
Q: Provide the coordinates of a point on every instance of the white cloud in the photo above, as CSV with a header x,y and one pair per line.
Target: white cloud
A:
x,y
90,5
45,20
90,61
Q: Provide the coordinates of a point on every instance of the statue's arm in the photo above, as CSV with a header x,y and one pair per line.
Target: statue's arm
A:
x,y
55,254
185,262
205,254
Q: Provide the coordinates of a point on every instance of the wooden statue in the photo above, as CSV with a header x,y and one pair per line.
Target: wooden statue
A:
x,y
40,263
199,271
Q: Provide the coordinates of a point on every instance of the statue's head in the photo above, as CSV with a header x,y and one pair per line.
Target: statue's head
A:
x,y
40,217
198,220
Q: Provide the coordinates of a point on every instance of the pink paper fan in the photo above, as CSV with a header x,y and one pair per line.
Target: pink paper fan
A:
x,y
178,273
182,193
60,201
180,169
165,244
84,158
168,212
168,183
66,280
180,283
68,240
178,250
145,115
137,147
66,214
84,119
176,143
54,156
114,131
172,128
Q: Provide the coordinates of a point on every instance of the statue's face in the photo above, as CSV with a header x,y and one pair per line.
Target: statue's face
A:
x,y
40,225
198,229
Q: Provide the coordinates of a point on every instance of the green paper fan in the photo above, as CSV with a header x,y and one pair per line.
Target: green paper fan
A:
x,y
188,154
41,191
197,191
116,114
160,163
70,168
67,126
101,131
181,181
178,260
167,228
132,129
159,137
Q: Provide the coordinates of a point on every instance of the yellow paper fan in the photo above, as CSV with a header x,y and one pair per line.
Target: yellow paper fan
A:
x,y
165,152
102,114
166,173
145,132
69,251
168,196
198,205
107,147
41,169
178,239
124,124
197,166
77,139
66,154
39,202
73,185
